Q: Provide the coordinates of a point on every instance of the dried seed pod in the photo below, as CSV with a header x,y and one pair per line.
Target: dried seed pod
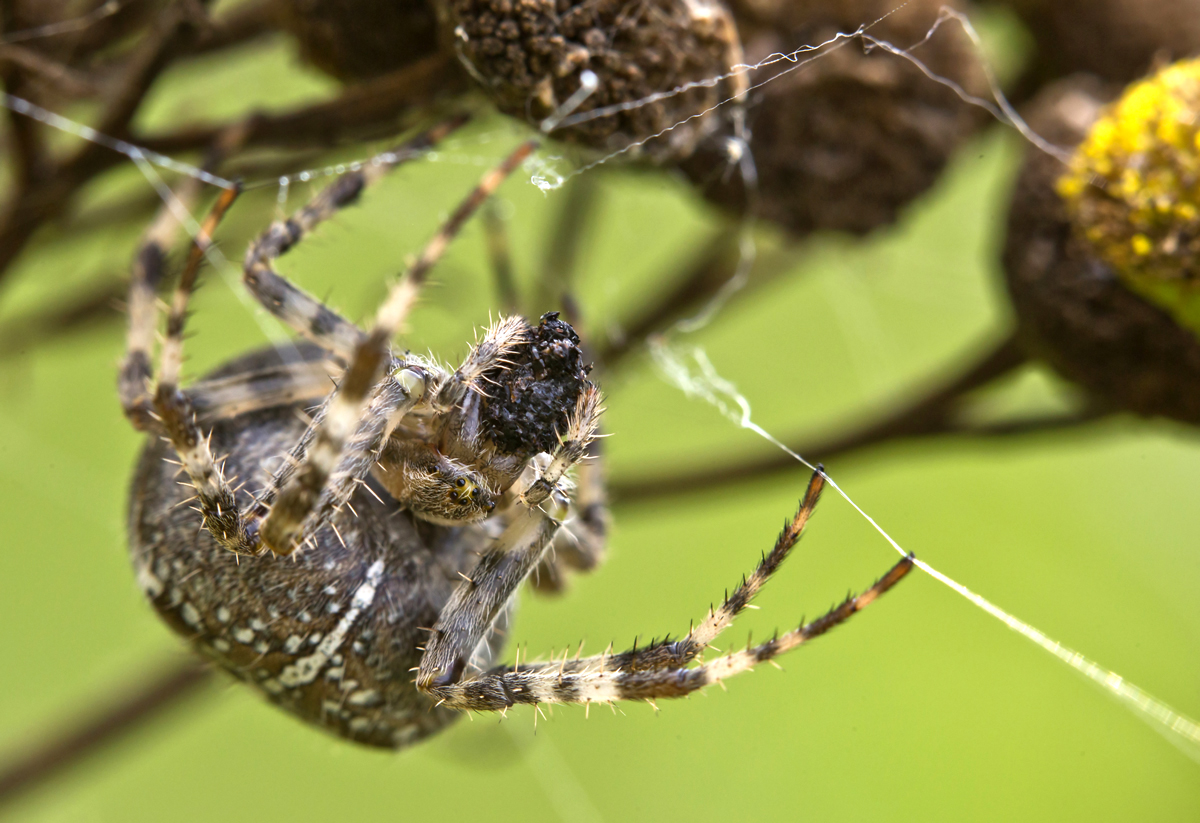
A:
x,y
845,141
360,39
1074,308
530,56
1117,40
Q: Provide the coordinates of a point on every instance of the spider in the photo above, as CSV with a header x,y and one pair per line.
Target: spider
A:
x,y
353,553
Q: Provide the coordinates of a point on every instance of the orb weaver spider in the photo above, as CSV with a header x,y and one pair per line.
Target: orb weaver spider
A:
x,y
353,553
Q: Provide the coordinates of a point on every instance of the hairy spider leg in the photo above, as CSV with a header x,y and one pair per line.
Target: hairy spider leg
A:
x,y
217,504
299,310
149,268
501,338
656,671
722,617
581,542
669,653
550,683
330,435
171,356
477,601
321,472
285,384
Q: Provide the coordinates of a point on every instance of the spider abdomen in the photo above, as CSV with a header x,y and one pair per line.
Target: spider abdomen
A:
x,y
330,633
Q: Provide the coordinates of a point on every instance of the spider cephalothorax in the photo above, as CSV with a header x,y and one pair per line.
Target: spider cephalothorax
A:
x,y
354,552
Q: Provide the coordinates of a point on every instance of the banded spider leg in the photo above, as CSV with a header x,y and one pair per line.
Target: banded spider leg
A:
x,y
376,389
479,600
658,670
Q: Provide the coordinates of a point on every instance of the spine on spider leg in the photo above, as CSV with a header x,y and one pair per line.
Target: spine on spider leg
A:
x,y
148,271
218,505
581,430
565,683
477,602
717,670
734,604
500,340
292,462
852,605
172,353
341,450
393,399
388,402
284,524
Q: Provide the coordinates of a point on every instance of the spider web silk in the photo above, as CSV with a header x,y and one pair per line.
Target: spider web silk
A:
x,y
689,369
686,367
698,379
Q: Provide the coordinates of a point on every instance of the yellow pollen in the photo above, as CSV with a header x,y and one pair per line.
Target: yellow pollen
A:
x,y
1131,189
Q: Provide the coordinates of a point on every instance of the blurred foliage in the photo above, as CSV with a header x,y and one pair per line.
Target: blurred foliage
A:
x,y
922,708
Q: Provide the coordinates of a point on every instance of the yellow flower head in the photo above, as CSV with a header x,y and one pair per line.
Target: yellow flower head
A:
x,y
1132,189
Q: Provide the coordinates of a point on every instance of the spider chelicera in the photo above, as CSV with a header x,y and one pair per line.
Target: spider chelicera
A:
x,y
351,548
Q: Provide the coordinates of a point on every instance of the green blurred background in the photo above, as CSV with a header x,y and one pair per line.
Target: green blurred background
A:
x,y
922,708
